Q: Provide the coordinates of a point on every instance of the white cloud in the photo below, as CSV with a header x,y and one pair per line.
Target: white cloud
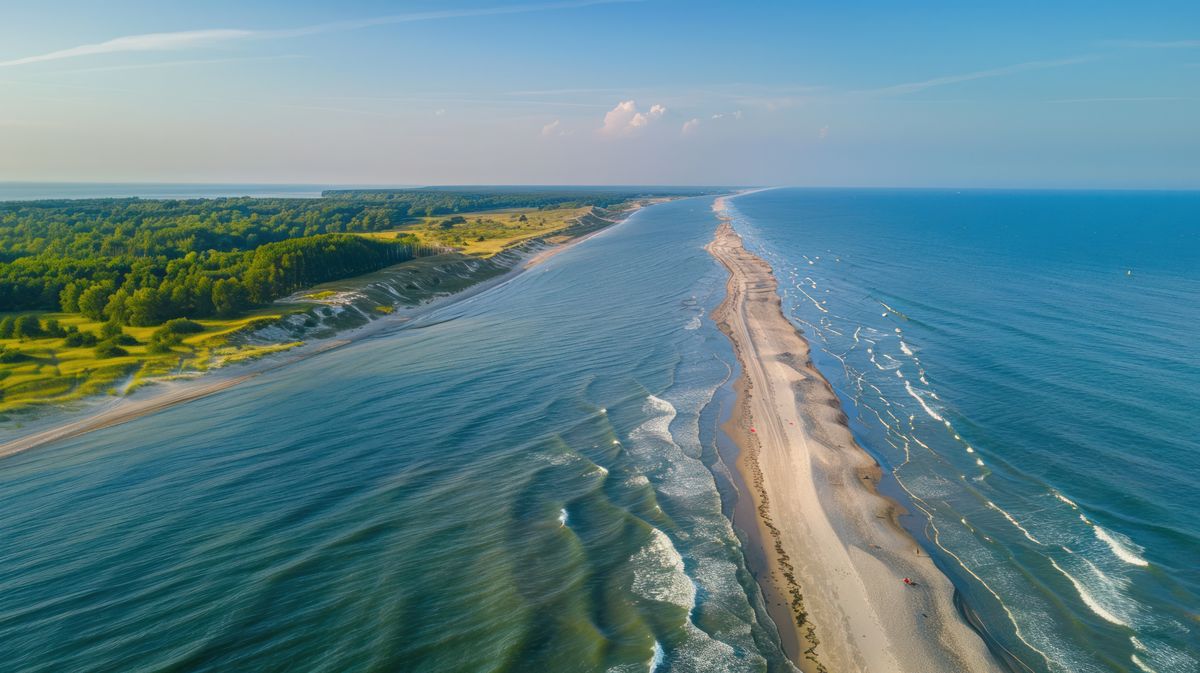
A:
x,y
191,39
690,126
736,114
439,112
551,129
625,118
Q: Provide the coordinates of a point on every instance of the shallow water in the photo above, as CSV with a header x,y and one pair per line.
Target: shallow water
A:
x,y
1025,364
519,482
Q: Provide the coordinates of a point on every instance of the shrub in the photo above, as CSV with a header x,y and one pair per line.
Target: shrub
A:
x,y
10,355
26,327
76,339
181,326
108,349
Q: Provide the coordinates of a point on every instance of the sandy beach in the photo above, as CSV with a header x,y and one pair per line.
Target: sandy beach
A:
x,y
837,559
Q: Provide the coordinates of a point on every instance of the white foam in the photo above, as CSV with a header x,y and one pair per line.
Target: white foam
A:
x,y
562,517
693,324
1141,664
932,414
1121,546
657,658
1065,499
905,349
658,573
1088,599
1013,521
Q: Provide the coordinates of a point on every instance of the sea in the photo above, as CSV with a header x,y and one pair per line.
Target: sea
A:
x,y
533,478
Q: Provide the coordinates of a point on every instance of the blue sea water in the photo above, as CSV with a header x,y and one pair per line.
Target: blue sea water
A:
x,y
1026,365
529,479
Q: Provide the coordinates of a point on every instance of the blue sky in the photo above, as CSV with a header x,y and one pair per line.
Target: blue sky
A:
x,y
1014,94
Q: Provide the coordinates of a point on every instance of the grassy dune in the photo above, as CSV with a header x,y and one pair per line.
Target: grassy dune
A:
x,y
486,233
55,373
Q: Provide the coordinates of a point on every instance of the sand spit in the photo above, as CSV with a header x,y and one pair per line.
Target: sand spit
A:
x,y
836,557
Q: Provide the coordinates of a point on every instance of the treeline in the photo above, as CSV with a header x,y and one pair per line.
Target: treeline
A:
x,y
149,290
433,201
90,228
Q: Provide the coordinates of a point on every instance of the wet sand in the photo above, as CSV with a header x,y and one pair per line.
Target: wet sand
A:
x,y
835,554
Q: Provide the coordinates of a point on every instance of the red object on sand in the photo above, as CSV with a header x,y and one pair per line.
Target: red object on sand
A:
x,y
907,581
751,429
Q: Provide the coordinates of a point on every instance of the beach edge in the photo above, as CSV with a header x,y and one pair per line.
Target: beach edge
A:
x,y
837,558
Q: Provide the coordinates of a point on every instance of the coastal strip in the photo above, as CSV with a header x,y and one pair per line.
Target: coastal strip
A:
x,y
849,589
165,394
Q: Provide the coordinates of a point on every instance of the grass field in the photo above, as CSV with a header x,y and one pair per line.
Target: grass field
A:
x,y
486,233
53,372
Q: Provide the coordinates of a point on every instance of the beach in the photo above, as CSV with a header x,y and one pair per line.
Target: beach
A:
x,y
837,559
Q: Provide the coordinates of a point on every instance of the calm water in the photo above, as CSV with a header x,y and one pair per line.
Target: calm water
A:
x,y
523,483
527,480
1027,364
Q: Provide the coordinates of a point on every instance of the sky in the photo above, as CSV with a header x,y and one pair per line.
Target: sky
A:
x,y
1061,94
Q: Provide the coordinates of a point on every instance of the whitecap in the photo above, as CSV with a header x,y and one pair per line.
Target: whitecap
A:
x,y
1013,521
932,414
1087,597
658,573
562,517
1122,547
1065,499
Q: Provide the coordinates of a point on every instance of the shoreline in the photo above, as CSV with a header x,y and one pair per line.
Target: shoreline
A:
x,y
836,556
58,424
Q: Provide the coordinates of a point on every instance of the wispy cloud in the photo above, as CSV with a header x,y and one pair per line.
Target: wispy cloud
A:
x,y
195,39
1155,44
690,127
1124,99
174,64
913,87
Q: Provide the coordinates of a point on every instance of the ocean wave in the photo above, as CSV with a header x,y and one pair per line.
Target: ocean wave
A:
x,y
921,400
1089,599
1122,547
1014,522
659,575
562,517
656,659
1065,499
